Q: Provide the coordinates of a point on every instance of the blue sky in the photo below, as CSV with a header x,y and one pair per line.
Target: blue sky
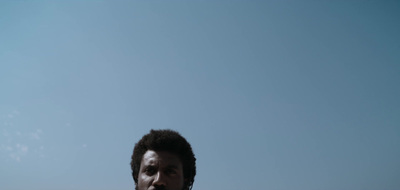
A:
x,y
277,95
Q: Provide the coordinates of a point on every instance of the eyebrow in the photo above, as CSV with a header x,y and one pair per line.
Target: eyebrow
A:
x,y
155,165
172,166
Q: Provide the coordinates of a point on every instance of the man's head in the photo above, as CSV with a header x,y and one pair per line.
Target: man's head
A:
x,y
163,159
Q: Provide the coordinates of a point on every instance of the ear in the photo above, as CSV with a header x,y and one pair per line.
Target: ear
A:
x,y
136,187
186,184
135,178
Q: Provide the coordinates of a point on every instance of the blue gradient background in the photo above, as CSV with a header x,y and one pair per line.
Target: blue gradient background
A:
x,y
276,95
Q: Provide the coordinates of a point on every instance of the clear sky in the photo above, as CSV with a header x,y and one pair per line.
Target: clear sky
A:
x,y
275,95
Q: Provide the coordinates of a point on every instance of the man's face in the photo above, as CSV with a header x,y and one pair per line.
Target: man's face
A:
x,y
160,170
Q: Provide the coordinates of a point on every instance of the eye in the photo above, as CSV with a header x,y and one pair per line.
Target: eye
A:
x,y
150,170
171,171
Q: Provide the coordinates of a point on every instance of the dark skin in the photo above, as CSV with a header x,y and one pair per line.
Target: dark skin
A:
x,y
160,170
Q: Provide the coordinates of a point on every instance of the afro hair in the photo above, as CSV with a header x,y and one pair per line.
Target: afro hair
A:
x,y
165,140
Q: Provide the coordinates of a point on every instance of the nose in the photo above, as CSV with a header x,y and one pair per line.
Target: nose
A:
x,y
159,180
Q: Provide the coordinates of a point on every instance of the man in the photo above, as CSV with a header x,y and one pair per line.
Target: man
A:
x,y
163,160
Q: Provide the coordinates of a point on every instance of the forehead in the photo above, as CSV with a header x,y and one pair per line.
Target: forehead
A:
x,y
162,158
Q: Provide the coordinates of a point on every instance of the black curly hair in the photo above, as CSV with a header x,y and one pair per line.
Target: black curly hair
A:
x,y
166,140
